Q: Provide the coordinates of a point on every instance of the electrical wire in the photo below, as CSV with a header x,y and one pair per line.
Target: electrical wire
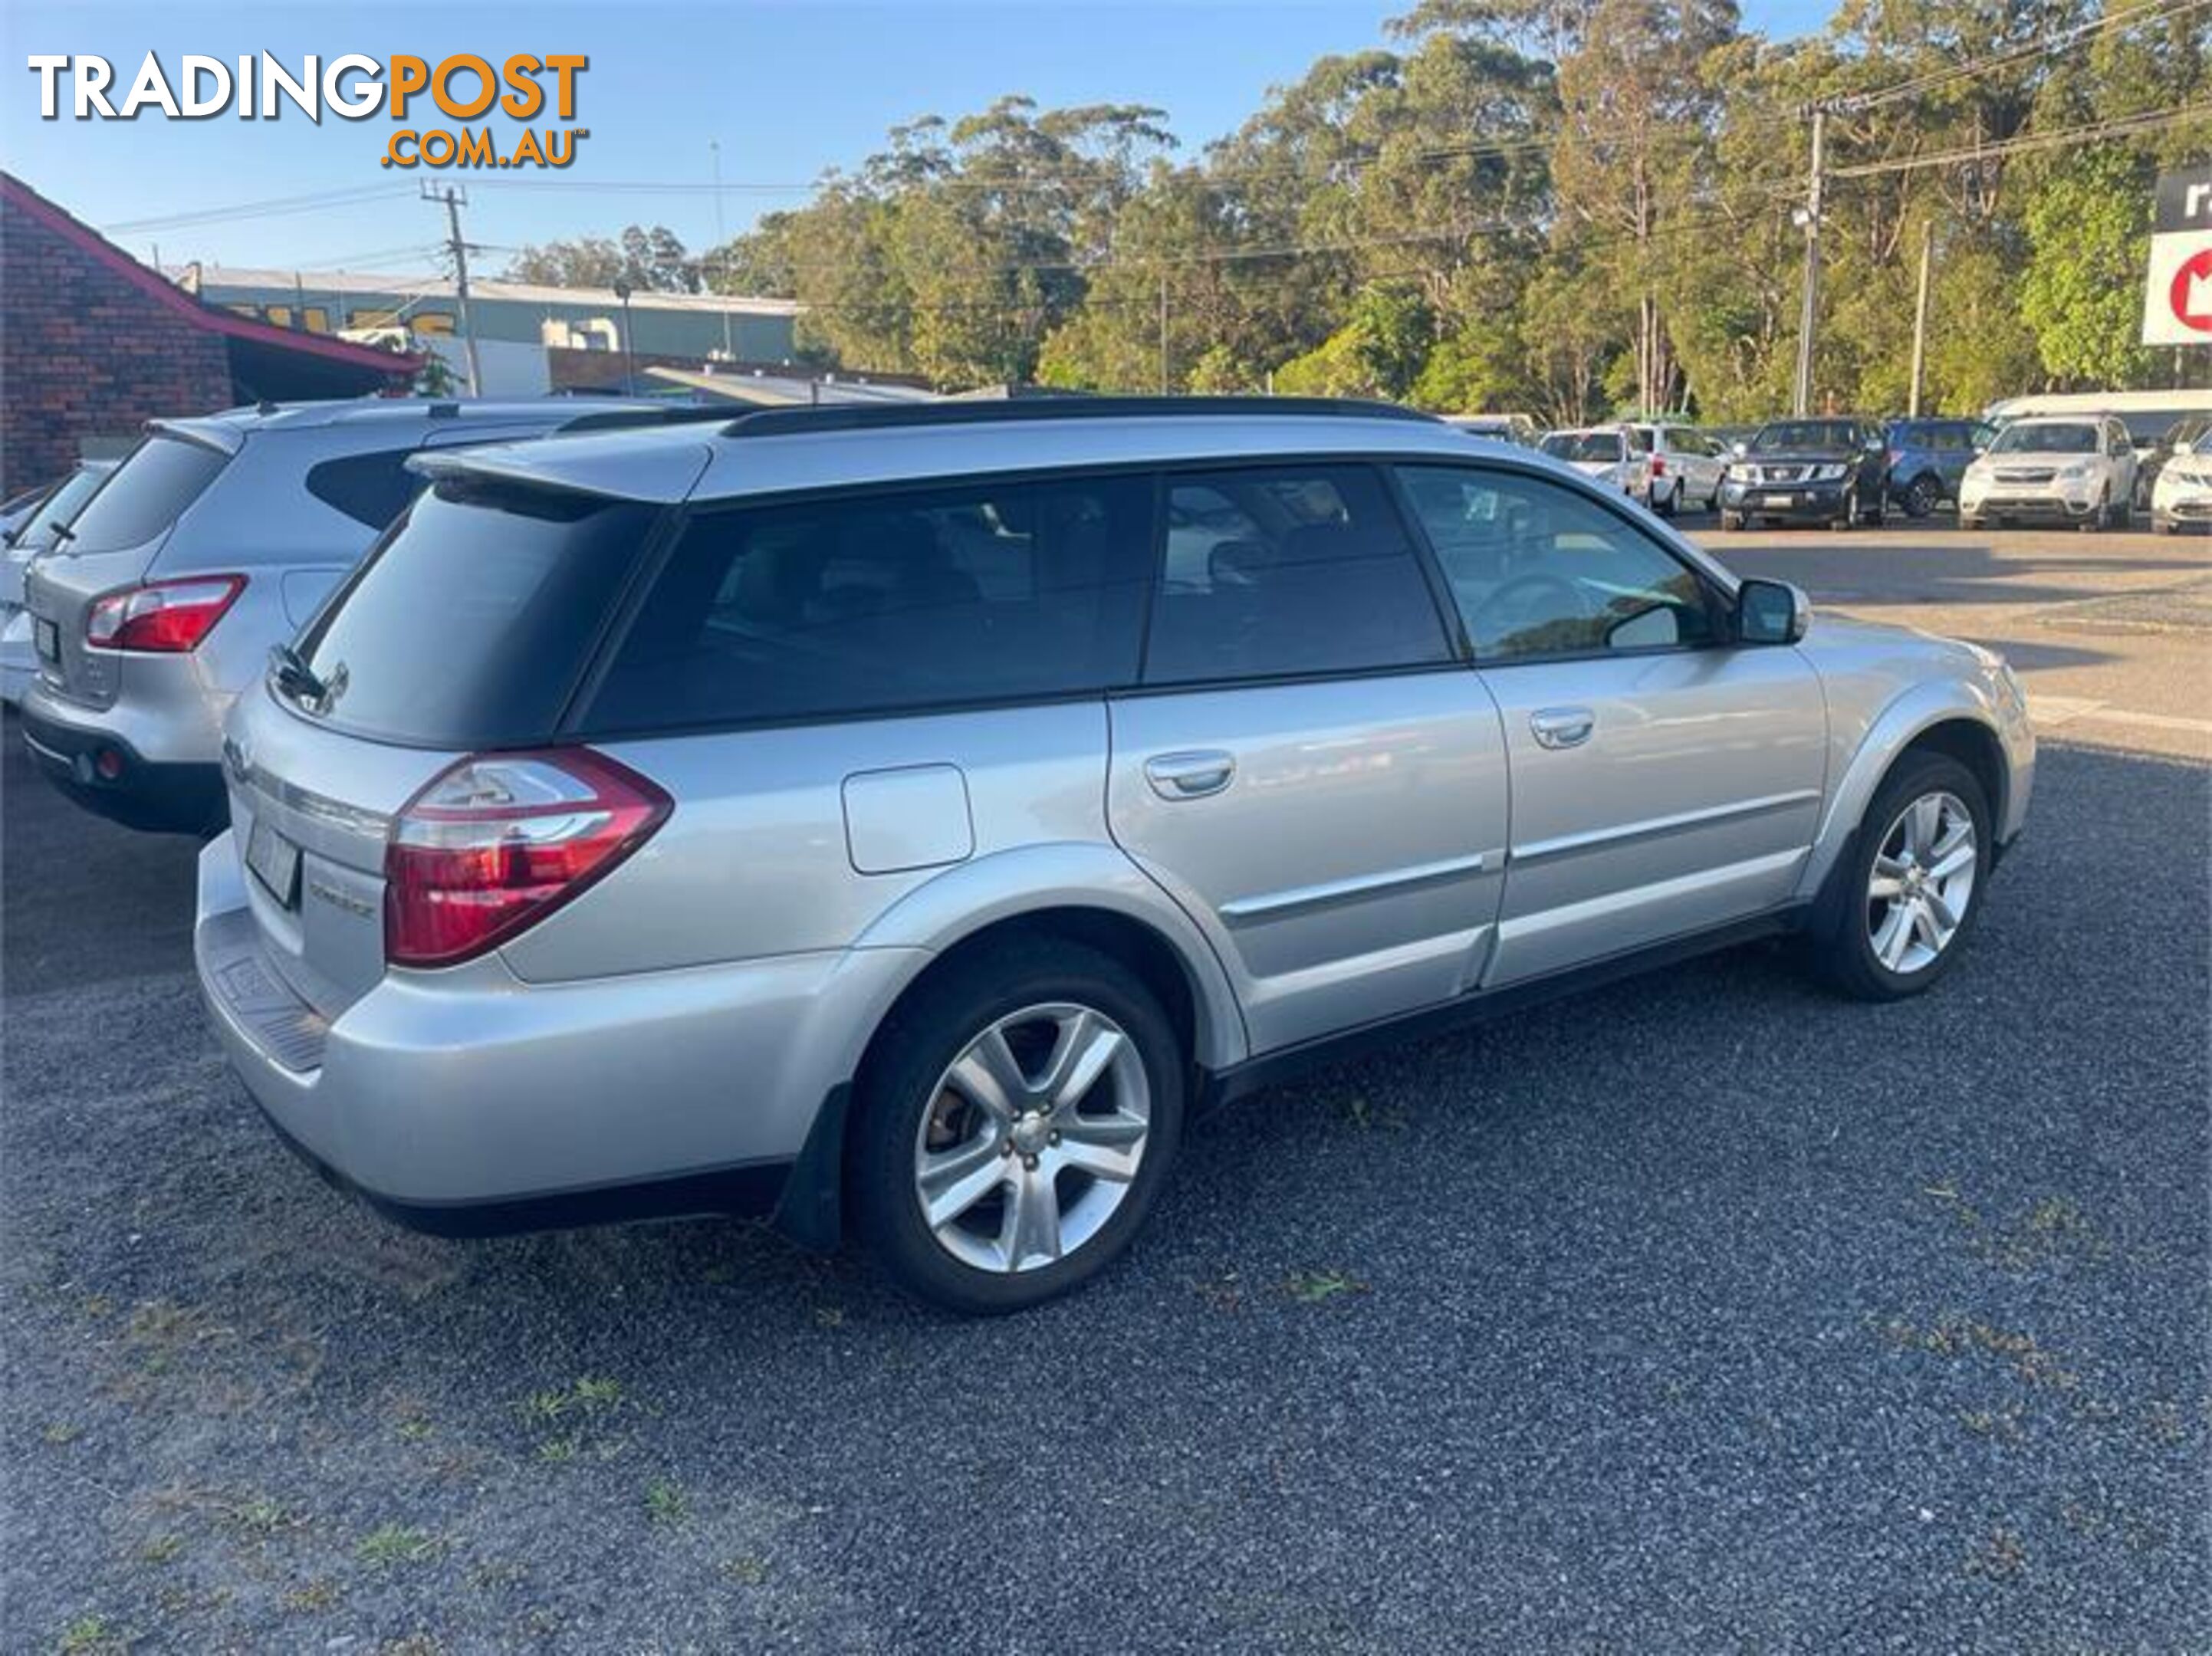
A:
x,y
2118,127
2149,11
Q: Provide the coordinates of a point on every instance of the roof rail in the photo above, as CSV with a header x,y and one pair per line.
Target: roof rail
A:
x,y
879,416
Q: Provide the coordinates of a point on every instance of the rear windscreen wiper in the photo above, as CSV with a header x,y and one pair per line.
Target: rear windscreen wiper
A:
x,y
293,674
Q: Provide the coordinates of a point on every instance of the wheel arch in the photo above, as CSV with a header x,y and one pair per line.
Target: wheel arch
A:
x,y
980,910
1946,717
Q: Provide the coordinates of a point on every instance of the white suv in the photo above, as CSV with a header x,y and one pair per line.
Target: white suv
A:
x,y
2077,469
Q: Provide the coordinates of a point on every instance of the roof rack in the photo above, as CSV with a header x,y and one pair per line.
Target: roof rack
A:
x,y
877,416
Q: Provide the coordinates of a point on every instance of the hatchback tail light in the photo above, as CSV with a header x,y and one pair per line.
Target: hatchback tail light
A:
x,y
1658,466
168,617
498,841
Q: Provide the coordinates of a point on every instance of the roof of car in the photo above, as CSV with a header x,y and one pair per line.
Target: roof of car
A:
x,y
456,410
799,449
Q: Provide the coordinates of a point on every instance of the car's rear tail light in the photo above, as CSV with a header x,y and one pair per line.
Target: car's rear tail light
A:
x,y
167,617
1658,466
1896,457
498,841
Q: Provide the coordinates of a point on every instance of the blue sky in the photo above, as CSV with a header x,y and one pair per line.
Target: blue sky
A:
x,y
786,87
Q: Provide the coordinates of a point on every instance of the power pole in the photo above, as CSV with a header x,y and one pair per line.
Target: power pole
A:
x,y
1163,331
722,246
1920,317
455,199
1808,314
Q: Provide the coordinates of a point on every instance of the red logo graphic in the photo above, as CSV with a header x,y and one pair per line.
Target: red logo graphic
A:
x,y
2191,294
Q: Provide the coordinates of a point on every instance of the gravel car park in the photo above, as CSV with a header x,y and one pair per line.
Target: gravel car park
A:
x,y
1704,1310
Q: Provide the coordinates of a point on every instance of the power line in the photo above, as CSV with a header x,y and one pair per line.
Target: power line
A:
x,y
314,202
2147,11
2119,127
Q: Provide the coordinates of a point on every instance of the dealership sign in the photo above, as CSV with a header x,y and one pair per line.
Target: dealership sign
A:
x,y
2178,299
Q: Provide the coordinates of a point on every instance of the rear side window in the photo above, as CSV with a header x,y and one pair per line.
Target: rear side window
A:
x,y
1277,572
878,604
148,493
472,623
370,488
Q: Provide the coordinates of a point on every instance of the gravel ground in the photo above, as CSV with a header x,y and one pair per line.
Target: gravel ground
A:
x,y
1703,1313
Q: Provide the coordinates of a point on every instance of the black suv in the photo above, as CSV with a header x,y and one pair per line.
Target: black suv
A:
x,y
1834,471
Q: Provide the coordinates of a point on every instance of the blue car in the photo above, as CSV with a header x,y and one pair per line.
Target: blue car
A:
x,y
1927,458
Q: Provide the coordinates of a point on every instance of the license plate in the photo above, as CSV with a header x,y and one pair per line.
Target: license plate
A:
x,y
275,861
46,639
1782,499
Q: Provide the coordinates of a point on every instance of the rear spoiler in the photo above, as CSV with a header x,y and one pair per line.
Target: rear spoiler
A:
x,y
661,474
214,435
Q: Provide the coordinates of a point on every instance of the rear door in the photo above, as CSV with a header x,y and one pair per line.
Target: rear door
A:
x,y
1664,780
1308,770
468,629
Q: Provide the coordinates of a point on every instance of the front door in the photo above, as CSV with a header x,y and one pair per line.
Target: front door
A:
x,y
1664,780
1308,769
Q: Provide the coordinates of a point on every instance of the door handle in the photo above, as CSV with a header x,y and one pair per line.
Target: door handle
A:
x,y
1190,775
1562,727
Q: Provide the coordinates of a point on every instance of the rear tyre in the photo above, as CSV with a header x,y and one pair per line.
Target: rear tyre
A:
x,y
1899,905
1925,494
1015,1126
1669,504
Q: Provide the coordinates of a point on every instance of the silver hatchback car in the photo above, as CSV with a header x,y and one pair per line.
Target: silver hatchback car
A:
x,y
899,820
218,538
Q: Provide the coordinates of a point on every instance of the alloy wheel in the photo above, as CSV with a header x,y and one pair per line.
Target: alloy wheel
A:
x,y
1922,883
1031,1137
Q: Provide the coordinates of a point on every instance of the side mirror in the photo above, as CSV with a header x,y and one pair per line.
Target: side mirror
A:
x,y
1771,612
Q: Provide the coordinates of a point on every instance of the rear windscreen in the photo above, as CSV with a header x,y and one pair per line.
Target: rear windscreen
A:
x,y
472,624
148,493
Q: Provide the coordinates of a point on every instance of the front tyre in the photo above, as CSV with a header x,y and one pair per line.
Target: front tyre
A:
x,y
1902,902
1014,1126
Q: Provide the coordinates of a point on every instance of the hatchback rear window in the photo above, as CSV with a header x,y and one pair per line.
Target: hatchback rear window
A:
x,y
148,493
1584,446
875,604
471,626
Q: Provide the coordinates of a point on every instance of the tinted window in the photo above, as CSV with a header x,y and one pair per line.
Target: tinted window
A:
x,y
1539,570
2048,440
68,499
1279,571
1583,446
150,490
370,488
1786,436
472,624
849,605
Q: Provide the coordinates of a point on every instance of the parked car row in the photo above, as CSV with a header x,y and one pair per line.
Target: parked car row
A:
x,y
899,819
2094,469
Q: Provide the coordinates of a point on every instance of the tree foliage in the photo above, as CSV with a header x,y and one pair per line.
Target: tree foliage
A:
x,y
1569,207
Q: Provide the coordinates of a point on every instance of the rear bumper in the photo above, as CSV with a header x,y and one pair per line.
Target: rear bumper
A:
x,y
106,772
467,1102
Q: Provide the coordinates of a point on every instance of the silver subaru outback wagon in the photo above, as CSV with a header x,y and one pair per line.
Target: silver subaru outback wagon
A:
x,y
899,820
217,539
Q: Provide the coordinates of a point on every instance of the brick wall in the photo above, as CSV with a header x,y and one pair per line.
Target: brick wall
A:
x,y
84,355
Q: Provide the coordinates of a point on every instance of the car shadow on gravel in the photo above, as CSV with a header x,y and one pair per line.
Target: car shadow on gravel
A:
x,y
1705,1309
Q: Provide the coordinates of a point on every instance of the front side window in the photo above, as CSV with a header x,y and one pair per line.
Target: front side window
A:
x,y
1282,571
875,604
1539,570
